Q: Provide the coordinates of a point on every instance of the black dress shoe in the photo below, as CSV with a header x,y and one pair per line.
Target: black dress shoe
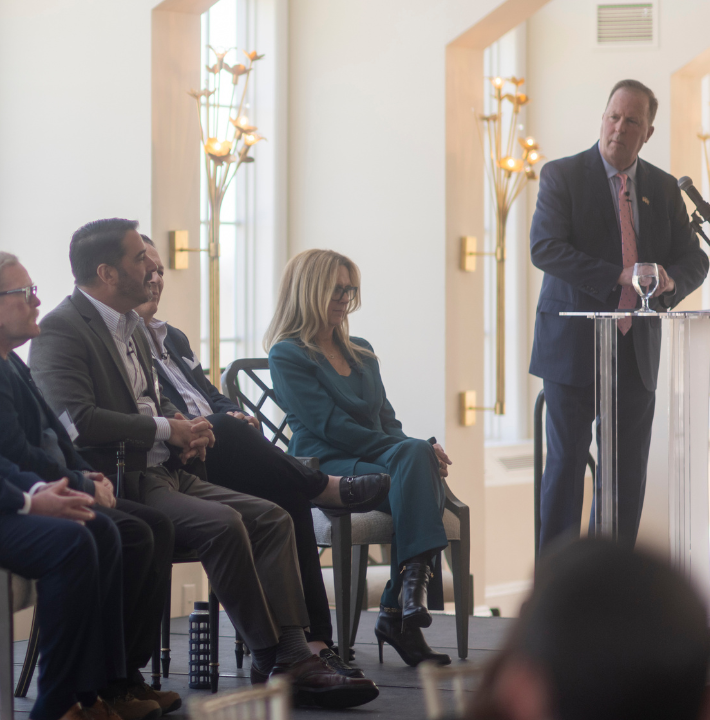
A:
x,y
361,493
314,683
415,585
256,676
335,662
408,642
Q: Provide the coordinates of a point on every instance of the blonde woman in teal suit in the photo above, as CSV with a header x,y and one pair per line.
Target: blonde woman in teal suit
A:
x,y
330,386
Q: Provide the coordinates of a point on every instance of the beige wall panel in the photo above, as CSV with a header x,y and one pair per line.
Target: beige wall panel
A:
x,y
176,156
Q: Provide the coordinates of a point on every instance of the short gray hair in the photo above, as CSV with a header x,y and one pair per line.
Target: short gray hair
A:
x,y
6,259
639,87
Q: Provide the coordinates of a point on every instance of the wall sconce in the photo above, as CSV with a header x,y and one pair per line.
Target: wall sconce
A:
x,y
468,408
469,253
179,247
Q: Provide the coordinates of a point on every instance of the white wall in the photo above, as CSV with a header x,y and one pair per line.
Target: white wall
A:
x,y
75,135
367,173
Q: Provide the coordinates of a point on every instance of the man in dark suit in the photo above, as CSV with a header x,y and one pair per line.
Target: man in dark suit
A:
x,y
34,438
243,459
597,214
49,533
90,362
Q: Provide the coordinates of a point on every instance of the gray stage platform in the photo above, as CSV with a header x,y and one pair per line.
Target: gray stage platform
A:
x,y
400,697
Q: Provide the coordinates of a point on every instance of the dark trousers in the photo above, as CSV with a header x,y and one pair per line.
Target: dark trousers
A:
x,y
79,603
147,539
246,546
415,502
244,460
570,414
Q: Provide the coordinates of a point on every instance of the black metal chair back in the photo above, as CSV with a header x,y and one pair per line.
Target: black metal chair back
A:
x,y
232,389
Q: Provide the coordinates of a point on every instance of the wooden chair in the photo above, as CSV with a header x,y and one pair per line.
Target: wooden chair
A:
x,y
271,701
16,593
463,679
350,536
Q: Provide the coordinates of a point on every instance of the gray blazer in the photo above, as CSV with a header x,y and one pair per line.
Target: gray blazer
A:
x,y
77,366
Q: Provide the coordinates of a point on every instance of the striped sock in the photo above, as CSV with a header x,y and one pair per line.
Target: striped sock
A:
x,y
292,645
264,659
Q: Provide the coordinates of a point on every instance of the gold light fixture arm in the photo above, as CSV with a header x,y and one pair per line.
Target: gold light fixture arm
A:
x,y
505,189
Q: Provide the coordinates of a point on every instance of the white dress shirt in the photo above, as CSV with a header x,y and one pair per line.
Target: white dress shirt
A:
x,y
157,331
121,328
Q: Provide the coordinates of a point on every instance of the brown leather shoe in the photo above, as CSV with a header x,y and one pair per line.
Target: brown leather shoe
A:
x,y
101,710
128,707
167,699
314,683
75,712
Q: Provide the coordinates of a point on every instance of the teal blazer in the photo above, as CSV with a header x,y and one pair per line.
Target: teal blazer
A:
x,y
327,419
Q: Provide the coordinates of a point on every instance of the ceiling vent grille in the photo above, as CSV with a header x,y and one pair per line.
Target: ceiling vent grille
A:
x,y
626,24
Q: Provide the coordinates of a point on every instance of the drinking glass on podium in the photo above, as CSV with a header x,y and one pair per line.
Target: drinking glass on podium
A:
x,y
645,282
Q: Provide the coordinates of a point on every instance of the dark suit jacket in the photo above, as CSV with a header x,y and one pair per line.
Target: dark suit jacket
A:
x,y
21,429
328,420
13,483
178,347
575,240
77,366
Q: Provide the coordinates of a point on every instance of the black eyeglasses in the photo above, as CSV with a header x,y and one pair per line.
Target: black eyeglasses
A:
x,y
340,292
30,291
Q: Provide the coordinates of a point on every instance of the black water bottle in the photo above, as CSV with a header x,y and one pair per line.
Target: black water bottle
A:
x,y
199,633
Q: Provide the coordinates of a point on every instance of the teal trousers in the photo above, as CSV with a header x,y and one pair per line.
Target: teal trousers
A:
x,y
415,502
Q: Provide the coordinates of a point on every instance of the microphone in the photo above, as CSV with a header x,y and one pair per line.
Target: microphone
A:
x,y
130,349
686,184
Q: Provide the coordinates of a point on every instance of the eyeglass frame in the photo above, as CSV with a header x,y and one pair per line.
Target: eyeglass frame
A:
x,y
29,290
348,289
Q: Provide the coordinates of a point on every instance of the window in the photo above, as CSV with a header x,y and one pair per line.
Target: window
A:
x,y
230,24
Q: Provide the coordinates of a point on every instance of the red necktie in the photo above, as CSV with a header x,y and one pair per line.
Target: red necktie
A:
x,y
629,252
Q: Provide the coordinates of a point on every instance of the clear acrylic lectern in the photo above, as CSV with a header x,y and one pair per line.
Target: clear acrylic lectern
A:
x,y
688,425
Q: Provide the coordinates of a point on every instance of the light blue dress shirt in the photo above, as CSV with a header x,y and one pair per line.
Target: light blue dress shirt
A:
x,y
615,187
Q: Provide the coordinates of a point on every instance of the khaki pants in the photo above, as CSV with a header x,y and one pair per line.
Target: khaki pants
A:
x,y
245,544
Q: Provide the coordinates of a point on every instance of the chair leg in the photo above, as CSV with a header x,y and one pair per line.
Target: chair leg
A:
x,y
461,571
7,701
358,589
214,641
239,650
28,667
165,630
342,568
155,665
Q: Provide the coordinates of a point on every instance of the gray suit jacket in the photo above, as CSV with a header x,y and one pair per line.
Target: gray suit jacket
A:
x,y
76,364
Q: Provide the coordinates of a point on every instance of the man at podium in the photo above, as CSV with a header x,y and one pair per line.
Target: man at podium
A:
x,y
597,214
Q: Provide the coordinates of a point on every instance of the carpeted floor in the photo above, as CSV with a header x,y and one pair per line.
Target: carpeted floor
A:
x,y
400,695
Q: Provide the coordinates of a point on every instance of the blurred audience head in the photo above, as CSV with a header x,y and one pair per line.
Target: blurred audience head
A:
x,y
607,633
19,305
319,289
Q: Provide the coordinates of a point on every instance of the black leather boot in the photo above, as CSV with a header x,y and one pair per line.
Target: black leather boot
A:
x,y
415,583
360,493
408,642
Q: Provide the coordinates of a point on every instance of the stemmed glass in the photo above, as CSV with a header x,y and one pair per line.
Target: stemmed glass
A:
x,y
645,281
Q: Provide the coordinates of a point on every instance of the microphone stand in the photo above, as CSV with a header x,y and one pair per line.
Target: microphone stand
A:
x,y
697,224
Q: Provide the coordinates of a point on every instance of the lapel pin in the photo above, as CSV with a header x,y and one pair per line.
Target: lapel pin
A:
x,y
646,200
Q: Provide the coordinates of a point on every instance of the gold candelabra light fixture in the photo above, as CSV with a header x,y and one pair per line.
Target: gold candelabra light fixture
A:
x,y
508,176
227,138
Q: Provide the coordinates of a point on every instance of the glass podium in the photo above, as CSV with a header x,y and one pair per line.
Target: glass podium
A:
x,y
688,434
